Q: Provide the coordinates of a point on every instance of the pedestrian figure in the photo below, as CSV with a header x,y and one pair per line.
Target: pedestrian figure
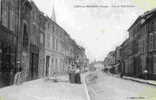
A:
x,y
69,73
55,78
121,75
72,73
77,76
146,74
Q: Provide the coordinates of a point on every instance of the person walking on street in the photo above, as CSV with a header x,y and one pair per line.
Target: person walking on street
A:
x,y
72,73
145,74
69,72
55,77
77,75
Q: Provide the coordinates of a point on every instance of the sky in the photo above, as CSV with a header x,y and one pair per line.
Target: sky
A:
x,y
98,29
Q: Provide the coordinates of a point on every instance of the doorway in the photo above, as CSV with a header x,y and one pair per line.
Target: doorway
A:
x,y
34,66
7,64
47,65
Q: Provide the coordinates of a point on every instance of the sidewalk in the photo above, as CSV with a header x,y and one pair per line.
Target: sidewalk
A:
x,y
44,89
149,82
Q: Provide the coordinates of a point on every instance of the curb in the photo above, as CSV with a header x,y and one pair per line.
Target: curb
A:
x,y
85,87
148,83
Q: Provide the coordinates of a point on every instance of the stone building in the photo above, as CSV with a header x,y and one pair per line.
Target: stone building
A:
x,y
109,61
49,30
67,50
138,52
36,43
19,42
80,57
54,50
142,33
125,57
31,43
61,50
15,22
42,22
9,17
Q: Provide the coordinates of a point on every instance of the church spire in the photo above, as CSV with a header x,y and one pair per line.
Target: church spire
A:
x,y
53,17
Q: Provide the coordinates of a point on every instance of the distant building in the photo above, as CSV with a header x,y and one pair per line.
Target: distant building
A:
x,y
109,61
125,59
99,65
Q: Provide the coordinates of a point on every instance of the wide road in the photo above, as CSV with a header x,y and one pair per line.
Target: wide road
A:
x,y
44,89
108,87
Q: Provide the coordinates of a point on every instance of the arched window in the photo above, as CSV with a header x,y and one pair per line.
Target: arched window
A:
x,y
25,36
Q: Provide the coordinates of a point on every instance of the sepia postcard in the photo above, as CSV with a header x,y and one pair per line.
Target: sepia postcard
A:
x,y
77,49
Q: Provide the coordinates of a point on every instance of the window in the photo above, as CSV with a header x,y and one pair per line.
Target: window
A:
x,y
16,22
4,13
144,46
56,66
53,27
52,62
48,40
41,38
25,36
150,41
0,10
154,41
141,46
56,44
154,69
53,43
12,21
150,26
48,25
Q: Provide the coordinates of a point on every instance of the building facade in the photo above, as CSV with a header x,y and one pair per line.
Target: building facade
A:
x,y
32,43
138,52
110,60
54,53
22,42
60,50
9,17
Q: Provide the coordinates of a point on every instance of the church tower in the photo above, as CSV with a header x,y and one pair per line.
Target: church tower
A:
x,y
53,16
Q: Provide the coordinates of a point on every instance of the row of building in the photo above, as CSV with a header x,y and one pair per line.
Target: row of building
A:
x,y
137,54
33,43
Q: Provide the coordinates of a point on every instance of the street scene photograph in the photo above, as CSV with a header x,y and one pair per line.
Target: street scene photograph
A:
x,y
77,49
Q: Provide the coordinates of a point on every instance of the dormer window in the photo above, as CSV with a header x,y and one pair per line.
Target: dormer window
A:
x,y
150,27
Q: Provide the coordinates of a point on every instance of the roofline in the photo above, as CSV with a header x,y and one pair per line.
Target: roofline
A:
x,y
142,16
